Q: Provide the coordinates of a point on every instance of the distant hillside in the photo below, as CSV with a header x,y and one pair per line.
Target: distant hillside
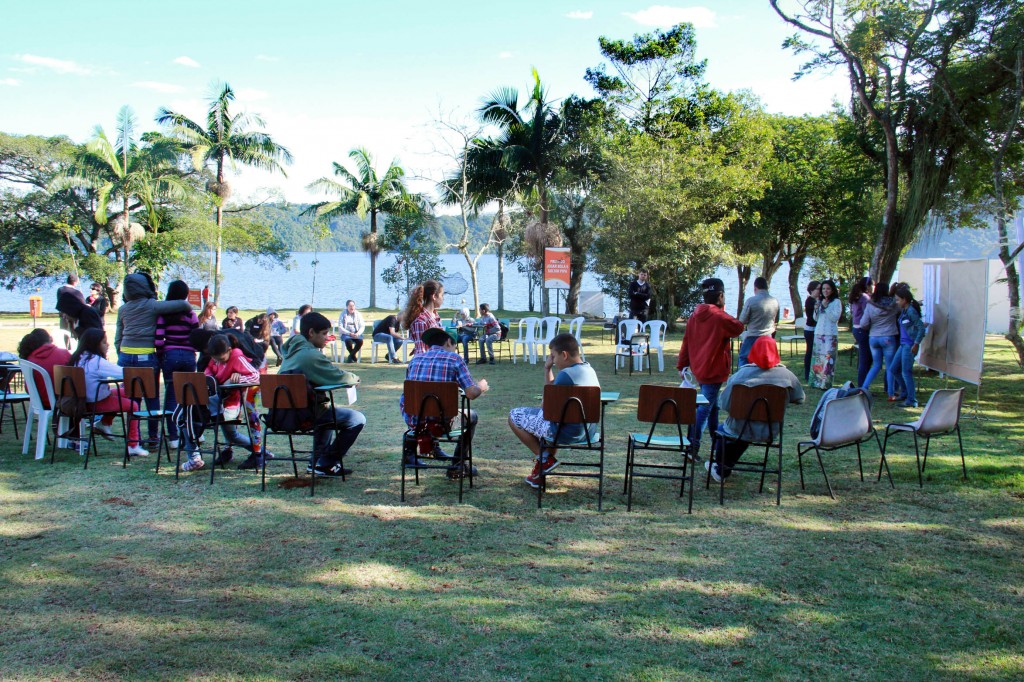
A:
x,y
297,231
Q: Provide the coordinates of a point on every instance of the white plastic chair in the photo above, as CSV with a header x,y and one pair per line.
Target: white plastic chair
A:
x,y
576,329
798,326
941,416
547,331
527,339
30,371
622,350
398,343
657,329
844,422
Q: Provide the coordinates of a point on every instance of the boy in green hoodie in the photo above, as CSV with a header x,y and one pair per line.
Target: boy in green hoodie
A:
x,y
303,354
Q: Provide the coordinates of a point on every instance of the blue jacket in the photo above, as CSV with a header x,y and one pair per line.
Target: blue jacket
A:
x,y
911,320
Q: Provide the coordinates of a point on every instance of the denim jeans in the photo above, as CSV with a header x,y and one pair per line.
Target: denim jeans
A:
x,y
901,375
389,340
349,424
174,360
489,340
883,348
152,404
706,414
864,357
464,339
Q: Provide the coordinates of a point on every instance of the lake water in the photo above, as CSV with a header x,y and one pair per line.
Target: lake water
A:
x,y
344,275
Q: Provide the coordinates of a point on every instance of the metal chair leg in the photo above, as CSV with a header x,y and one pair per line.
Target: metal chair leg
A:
x,y
822,465
860,464
917,453
963,462
924,462
882,461
800,464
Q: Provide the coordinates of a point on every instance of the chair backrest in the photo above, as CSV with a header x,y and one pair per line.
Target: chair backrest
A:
x,y
142,382
31,371
528,328
666,404
637,339
942,413
576,327
845,420
762,403
190,388
284,391
550,327
425,399
657,330
798,325
69,382
627,328
572,404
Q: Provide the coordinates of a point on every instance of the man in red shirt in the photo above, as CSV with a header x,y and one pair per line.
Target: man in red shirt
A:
x,y
705,351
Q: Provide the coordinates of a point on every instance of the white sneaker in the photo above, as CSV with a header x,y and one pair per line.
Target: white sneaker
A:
x,y
103,430
713,468
194,462
138,451
173,444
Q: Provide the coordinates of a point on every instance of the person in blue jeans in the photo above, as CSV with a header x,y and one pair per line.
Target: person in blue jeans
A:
x,y
912,332
879,323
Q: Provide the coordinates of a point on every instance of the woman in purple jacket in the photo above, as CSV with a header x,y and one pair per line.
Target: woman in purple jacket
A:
x,y
173,350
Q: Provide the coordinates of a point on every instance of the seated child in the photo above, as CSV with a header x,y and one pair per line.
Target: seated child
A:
x,y
528,423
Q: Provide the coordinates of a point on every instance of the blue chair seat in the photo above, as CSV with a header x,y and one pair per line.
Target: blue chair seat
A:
x,y
671,441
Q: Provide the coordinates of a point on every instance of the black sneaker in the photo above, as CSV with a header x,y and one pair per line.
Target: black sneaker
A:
x,y
438,453
253,461
334,470
492,362
481,361
412,461
223,458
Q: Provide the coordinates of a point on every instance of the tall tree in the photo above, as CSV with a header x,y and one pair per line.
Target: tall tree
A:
x,y
364,193
226,140
896,54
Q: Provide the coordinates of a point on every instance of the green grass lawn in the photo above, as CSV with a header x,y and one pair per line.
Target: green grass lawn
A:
x,y
113,574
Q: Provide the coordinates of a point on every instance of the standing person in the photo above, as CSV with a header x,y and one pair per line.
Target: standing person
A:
x,y
91,355
441,362
96,300
528,423
305,308
420,312
765,368
206,294
135,335
879,322
639,294
79,314
705,351
826,335
37,347
232,320
277,331
490,331
208,318
174,352
912,332
70,288
810,303
303,354
465,331
386,331
760,313
860,296
351,327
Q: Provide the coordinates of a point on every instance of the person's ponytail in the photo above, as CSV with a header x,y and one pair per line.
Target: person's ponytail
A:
x,y
413,307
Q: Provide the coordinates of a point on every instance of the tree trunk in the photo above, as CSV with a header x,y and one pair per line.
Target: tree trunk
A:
x,y
216,255
473,279
743,274
501,275
530,286
796,264
373,260
889,247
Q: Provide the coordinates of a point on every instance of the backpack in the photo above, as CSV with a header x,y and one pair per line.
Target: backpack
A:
x,y
194,419
504,330
288,419
843,391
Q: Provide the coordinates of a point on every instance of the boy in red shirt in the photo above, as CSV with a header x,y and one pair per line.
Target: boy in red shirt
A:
x,y
705,351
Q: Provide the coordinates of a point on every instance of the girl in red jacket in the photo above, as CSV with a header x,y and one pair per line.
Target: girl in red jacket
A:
x,y
229,365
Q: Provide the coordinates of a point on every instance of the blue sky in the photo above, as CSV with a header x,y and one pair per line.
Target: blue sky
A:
x,y
329,76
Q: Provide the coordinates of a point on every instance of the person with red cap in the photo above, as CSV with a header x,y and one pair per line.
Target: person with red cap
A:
x,y
765,367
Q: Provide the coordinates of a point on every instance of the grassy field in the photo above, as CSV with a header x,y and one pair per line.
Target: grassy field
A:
x,y
109,574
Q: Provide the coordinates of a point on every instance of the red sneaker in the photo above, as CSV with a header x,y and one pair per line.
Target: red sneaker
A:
x,y
550,464
533,480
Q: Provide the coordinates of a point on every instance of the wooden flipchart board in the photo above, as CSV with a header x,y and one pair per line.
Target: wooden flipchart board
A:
x,y
954,303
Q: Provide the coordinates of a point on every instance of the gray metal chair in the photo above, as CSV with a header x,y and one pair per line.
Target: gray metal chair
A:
x,y
941,417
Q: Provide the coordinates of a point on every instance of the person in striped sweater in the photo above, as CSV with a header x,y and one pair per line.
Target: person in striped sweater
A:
x,y
173,351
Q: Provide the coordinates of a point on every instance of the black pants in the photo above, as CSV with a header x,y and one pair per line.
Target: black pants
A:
x,y
352,345
275,345
808,352
734,449
638,316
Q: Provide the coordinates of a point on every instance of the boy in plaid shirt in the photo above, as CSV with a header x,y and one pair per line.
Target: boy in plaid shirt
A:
x,y
441,362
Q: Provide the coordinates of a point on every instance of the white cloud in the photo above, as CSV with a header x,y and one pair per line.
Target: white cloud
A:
x,y
504,55
10,81
580,14
58,65
250,95
267,58
186,61
664,16
158,86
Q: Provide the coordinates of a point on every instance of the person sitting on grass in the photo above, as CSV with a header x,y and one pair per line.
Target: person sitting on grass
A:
x,y
490,331
232,321
528,423
303,354
441,362
228,365
765,367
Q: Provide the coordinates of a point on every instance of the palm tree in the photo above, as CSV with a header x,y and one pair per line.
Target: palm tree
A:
x,y
226,139
364,193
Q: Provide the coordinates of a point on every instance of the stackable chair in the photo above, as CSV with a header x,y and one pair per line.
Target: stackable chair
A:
x,y
656,329
675,408
763,403
191,392
798,326
30,371
140,384
564,405
290,413
633,347
10,376
527,339
844,422
436,404
576,329
69,382
549,327
941,417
